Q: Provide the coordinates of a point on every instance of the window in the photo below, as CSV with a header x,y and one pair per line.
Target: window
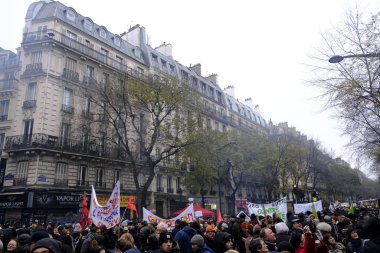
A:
x,y
116,176
103,33
204,88
36,57
82,175
119,62
169,184
4,107
194,82
155,59
70,15
208,124
105,54
31,92
88,44
164,66
71,64
65,134
89,73
117,41
2,139
219,96
68,101
178,183
86,106
61,173
99,178
22,171
28,131
71,35
87,24
211,92
105,77
85,138
159,186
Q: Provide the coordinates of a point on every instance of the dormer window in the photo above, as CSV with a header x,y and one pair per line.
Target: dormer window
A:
x,y
87,24
70,15
117,41
103,33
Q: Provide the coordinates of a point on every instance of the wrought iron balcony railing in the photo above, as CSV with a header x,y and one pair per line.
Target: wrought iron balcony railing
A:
x,y
83,183
90,147
67,108
3,118
29,104
61,182
85,50
33,68
70,75
100,184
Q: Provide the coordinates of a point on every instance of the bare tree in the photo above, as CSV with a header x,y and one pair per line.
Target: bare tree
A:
x,y
352,86
143,117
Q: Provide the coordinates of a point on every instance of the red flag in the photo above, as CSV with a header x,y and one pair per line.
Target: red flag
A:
x,y
219,218
84,220
131,205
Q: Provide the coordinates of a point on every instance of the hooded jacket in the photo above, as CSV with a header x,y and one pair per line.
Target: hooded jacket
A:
x,y
183,238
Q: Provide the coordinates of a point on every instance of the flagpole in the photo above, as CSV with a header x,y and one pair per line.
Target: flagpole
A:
x,y
122,217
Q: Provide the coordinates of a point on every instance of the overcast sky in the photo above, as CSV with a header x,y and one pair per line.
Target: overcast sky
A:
x,y
260,47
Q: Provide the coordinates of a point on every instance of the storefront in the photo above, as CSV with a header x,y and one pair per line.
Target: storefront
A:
x,y
12,206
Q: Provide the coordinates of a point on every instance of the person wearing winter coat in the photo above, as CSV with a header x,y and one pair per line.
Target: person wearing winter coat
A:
x,y
199,246
372,229
222,242
184,236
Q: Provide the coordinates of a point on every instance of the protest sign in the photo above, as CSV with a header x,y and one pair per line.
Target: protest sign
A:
x,y
279,207
302,208
109,214
187,215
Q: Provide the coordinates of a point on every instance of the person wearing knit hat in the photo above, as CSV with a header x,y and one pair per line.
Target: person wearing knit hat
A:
x,y
38,235
166,242
47,245
198,245
209,235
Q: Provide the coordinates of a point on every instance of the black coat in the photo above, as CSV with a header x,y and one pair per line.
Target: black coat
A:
x,y
282,238
372,246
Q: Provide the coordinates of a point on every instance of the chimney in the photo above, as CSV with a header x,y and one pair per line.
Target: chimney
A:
x,y
165,49
197,68
248,102
213,78
257,109
230,90
135,35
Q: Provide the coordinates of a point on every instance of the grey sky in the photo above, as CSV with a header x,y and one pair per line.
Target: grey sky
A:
x,y
260,47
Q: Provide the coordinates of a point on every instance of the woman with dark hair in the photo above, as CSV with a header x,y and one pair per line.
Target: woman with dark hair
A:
x,y
258,246
333,245
13,246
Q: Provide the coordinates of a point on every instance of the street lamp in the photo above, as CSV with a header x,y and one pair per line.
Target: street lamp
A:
x,y
218,170
339,58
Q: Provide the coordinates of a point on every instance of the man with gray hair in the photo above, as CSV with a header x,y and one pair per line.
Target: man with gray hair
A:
x,y
282,232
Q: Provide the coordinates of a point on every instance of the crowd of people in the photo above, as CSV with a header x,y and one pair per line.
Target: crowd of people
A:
x,y
337,232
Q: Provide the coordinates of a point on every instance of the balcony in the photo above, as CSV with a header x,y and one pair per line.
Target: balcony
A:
x,y
160,189
83,183
19,181
33,68
70,75
67,109
91,147
89,81
100,185
80,48
29,104
170,190
61,182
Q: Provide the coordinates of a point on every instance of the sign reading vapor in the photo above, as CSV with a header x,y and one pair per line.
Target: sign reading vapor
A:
x,y
279,207
109,214
187,215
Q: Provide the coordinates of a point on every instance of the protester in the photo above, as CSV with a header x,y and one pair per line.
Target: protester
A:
x,y
184,236
258,246
199,246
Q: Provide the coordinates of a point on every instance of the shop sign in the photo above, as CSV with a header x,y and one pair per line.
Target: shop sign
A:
x,y
57,200
103,199
10,201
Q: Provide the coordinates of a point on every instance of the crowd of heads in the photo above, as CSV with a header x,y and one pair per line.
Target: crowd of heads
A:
x,y
336,231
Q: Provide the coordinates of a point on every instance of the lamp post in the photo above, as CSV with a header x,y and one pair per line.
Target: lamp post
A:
x,y
219,165
339,58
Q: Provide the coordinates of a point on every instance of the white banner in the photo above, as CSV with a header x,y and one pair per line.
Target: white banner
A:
x,y
187,215
109,214
279,207
302,208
